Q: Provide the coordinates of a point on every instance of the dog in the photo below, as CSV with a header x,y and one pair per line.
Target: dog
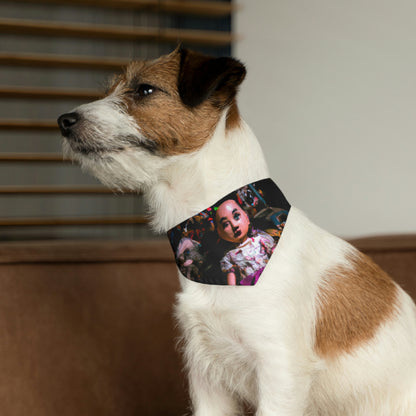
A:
x,y
325,332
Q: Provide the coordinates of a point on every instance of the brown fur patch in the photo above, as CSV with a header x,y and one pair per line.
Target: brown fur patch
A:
x,y
233,116
353,303
162,117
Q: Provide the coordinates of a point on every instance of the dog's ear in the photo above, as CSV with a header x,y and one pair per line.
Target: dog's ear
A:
x,y
202,77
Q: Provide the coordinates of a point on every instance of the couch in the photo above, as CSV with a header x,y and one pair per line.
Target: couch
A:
x,y
86,328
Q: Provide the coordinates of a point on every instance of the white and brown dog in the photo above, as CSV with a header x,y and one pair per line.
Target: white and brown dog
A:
x,y
325,331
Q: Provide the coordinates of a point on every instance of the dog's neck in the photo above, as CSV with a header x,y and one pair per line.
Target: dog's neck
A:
x,y
190,183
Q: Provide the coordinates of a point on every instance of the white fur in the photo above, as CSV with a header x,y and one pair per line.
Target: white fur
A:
x,y
256,344
107,122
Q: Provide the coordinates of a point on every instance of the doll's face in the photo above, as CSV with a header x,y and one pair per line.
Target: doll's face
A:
x,y
232,222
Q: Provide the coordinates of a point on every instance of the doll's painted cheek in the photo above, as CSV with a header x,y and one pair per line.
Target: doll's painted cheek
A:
x,y
244,222
226,233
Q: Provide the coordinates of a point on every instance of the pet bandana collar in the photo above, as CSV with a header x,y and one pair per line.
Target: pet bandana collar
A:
x,y
231,242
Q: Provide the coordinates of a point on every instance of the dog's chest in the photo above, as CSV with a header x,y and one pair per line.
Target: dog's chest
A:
x,y
215,342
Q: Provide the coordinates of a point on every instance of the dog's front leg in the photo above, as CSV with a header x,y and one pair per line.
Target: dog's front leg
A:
x,y
209,399
283,385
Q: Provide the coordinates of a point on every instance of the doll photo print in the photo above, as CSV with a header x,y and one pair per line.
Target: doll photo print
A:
x,y
231,242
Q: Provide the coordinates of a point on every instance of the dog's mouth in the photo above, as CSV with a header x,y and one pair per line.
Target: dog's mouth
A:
x,y
79,146
81,136
86,146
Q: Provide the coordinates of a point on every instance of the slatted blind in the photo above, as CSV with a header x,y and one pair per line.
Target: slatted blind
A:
x,y
56,55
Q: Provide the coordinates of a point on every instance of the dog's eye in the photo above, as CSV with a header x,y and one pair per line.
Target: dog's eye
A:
x,y
143,90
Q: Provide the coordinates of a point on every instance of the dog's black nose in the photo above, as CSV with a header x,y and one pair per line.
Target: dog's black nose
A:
x,y
67,121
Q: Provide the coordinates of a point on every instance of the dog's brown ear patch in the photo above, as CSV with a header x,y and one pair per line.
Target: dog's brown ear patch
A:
x,y
353,302
202,77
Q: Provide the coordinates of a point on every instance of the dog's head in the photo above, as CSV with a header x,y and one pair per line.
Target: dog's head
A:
x,y
154,111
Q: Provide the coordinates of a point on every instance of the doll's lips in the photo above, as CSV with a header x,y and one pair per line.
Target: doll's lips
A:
x,y
237,233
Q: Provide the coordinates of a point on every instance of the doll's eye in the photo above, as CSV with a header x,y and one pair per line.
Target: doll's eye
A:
x,y
225,225
236,216
144,90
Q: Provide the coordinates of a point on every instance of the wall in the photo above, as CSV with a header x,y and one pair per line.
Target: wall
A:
x,y
331,95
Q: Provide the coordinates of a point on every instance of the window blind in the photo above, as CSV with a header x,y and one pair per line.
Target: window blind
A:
x,y
56,55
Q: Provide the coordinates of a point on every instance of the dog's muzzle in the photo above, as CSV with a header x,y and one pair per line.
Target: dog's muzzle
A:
x,y
67,123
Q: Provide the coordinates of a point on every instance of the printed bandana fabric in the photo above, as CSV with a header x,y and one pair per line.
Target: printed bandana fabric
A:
x,y
231,242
